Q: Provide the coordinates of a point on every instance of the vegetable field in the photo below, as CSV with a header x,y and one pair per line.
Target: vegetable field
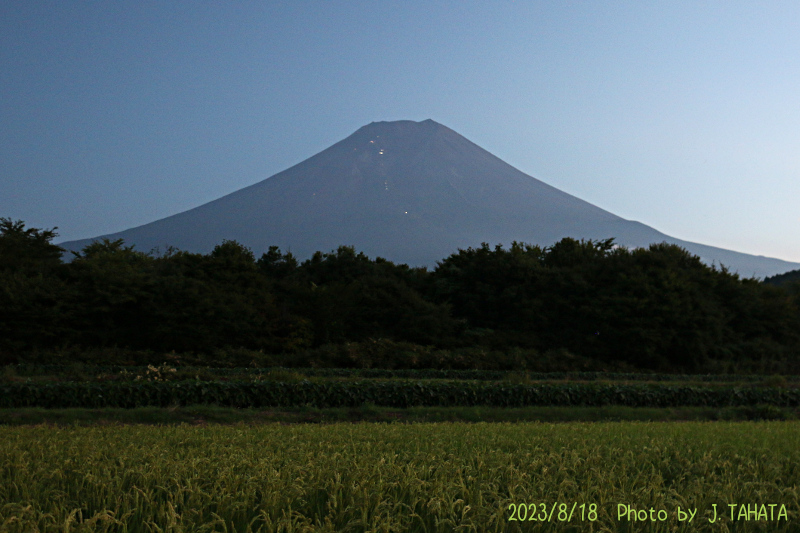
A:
x,y
398,477
391,393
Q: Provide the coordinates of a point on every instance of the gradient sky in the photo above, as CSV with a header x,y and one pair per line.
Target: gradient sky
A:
x,y
682,115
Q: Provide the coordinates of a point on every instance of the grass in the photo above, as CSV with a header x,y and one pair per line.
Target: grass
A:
x,y
165,372
428,477
202,414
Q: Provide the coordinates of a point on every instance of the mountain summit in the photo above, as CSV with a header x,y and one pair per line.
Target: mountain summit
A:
x,y
412,192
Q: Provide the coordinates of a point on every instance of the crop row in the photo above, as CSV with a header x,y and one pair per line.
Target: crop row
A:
x,y
383,393
410,478
432,373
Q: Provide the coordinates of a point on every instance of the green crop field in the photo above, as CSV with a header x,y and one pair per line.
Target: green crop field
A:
x,y
402,477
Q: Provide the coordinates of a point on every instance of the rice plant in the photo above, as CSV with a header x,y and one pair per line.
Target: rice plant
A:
x,y
397,477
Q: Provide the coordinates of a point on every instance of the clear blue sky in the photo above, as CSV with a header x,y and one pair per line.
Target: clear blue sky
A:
x,y
682,115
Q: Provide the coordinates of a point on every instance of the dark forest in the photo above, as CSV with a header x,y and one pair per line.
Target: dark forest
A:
x,y
572,305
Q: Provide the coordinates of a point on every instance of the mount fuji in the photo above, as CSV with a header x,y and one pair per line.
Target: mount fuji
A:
x,y
411,192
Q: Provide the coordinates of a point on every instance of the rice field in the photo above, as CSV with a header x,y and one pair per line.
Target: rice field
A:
x,y
610,476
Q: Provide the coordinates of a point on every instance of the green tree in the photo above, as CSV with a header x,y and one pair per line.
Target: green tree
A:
x,y
112,293
31,292
28,250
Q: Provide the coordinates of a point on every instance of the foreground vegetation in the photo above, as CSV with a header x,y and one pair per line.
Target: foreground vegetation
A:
x,y
201,415
389,393
166,372
398,477
165,386
33,394
570,306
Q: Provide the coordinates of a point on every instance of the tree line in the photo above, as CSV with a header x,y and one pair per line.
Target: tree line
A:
x,y
656,308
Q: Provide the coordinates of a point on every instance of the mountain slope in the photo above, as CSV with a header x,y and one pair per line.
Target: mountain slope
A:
x,y
411,192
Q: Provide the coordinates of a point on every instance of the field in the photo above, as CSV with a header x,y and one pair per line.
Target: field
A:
x,y
402,477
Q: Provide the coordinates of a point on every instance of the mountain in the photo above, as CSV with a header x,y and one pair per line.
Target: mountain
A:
x,y
412,192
